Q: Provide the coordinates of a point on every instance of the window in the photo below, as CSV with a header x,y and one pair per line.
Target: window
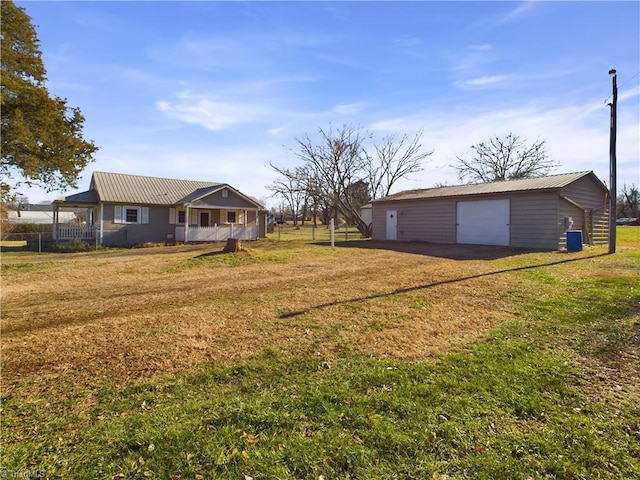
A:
x,y
225,193
231,217
182,216
130,215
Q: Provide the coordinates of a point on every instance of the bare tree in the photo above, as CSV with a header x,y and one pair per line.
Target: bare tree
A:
x,y
291,187
629,202
505,158
341,167
396,156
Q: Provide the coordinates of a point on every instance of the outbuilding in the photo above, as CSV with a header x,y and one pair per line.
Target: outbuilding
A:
x,y
532,213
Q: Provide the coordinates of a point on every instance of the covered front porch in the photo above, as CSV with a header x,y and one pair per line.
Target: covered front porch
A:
x,y
210,224
215,233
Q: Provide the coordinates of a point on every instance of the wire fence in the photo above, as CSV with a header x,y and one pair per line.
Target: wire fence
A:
x,y
26,241
44,242
312,233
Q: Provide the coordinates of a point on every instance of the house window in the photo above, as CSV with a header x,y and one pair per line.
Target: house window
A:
x,y
231,217
182,216
131,215
225,193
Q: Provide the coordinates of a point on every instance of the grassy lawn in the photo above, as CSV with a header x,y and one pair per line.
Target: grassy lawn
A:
x,y
292,360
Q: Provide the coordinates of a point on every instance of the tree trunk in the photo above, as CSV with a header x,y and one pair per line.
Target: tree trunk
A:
x,y
233,245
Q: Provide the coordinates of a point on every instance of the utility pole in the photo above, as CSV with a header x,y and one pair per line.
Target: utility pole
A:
x,y
612,166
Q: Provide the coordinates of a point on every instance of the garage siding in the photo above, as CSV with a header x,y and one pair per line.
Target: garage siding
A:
x,y
418,221
537,215
533,221
593,223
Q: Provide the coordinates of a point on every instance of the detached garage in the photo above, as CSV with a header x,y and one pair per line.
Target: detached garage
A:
x,y
531,213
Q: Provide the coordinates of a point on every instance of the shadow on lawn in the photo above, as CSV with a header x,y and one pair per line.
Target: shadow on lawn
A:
x,y
432,284
441,250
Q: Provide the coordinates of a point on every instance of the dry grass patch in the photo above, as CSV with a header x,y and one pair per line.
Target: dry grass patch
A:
x,y
117,317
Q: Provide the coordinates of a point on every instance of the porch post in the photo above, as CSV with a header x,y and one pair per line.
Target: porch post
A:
x,y
257,224
187,219
101,224
56,208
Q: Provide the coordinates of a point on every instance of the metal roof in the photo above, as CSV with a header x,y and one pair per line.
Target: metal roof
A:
x,y
551,182
138,189
142,190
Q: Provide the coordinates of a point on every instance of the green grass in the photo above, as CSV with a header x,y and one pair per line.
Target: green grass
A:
x,y
501,410
547,395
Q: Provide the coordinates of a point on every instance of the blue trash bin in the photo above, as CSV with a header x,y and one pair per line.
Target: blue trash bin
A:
x,y
574,241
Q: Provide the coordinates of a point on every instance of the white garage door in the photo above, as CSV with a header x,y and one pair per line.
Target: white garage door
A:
x,y
483,222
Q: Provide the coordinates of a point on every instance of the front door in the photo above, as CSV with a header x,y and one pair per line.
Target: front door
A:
x,y
204,219
392,224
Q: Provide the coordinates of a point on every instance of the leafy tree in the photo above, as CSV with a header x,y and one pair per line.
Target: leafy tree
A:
x,y
42,143
629,202
504,158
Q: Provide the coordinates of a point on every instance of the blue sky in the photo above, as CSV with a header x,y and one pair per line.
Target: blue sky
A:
x,y
216,90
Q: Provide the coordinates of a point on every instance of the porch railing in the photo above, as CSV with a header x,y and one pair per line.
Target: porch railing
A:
x,y
70,232
218,233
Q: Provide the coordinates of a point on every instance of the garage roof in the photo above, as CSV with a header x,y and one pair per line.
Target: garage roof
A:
x,y
552,182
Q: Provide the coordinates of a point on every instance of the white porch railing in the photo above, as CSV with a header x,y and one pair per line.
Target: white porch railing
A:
x,y
69,232
218,233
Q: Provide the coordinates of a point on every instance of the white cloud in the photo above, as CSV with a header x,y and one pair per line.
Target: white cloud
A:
x,y
577,136
517,12
482,81
482,47
210,113
348,108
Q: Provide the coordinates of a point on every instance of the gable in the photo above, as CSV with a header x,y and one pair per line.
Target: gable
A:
x,y
225,197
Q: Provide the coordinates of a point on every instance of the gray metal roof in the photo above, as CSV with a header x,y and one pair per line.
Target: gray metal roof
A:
x,y
551,182
79,198
138,189
142,190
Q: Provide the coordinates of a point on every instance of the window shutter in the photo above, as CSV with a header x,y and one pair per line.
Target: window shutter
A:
x,y
172,216
145,215
117,214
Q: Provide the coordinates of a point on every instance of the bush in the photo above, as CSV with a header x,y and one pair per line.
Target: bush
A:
x,y
73,246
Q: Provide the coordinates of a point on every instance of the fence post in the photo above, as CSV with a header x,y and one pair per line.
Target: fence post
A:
x,y
39,242
332,233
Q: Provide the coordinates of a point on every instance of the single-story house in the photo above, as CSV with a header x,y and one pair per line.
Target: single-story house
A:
x,y
132,209
530,213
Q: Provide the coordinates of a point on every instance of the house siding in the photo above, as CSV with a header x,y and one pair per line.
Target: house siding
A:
x,y
157,230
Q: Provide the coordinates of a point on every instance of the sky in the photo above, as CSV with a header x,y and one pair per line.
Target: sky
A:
x,y
218,90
